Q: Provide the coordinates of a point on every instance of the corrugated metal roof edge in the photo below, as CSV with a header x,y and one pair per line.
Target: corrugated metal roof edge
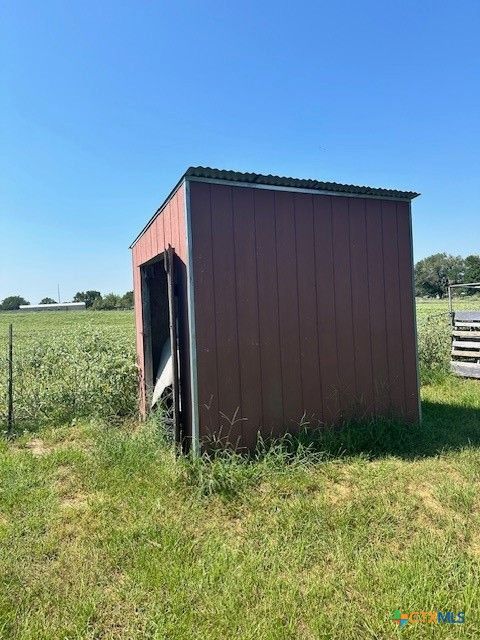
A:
x,y
297,183
208,173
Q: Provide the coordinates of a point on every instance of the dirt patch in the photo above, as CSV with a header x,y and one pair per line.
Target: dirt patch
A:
x,y
304,631
60,440
455,475
474,547
78,501
68,488
37,447
425,493
337,493
71,438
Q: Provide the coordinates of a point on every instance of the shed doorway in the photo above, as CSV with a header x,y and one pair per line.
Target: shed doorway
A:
x,y
160,338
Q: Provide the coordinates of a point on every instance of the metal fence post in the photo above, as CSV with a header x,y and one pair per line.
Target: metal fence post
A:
x,y
10,380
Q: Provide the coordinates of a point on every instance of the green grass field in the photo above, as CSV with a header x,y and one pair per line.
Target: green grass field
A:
x,y
37,325
426,307
105,534
70,365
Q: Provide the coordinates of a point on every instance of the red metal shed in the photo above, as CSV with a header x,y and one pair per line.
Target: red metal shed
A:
x,y
291,301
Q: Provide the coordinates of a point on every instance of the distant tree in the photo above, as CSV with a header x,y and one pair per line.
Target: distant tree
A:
x,y
89,297
47,301
12,303
127,300
435,273
472,269
107,303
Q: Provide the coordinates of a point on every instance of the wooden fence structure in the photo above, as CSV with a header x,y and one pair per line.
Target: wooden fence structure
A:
x,y
465,359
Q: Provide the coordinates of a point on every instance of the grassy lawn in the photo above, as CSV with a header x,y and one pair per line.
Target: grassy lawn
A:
x,y
105,535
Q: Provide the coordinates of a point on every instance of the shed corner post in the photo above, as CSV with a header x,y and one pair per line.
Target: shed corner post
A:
x,y
415,314
191,324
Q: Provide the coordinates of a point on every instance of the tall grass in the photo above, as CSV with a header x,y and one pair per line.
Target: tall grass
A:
x,y
434,343
67,368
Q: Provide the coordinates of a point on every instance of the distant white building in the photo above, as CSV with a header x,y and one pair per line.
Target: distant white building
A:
x,y
57,306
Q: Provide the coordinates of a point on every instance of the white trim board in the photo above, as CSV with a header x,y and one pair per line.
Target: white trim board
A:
x,y
191,326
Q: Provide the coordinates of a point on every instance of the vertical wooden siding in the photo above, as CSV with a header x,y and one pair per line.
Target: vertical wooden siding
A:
x,y
304,309
168,227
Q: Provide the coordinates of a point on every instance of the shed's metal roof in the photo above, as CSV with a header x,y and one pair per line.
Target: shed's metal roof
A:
x,y
208,173
297,183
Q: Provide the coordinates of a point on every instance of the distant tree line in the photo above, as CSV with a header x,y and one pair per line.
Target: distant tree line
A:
x,y
92,299
434,274
95,300
12,303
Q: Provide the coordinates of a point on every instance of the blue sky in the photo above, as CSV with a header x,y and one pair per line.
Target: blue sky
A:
x,y
104,104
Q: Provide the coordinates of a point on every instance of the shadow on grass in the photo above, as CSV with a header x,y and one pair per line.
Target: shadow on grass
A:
x,y
444,427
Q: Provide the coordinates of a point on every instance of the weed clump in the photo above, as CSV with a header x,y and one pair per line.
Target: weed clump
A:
x,y
434,341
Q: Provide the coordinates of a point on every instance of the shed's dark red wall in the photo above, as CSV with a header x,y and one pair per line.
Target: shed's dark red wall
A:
x,y
168,227
303,309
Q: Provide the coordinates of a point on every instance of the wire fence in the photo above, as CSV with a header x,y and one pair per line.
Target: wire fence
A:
x,y
427,308
53,374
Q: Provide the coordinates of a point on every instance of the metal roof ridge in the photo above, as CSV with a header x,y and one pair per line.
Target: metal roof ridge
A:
x,y
210,173
285,181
